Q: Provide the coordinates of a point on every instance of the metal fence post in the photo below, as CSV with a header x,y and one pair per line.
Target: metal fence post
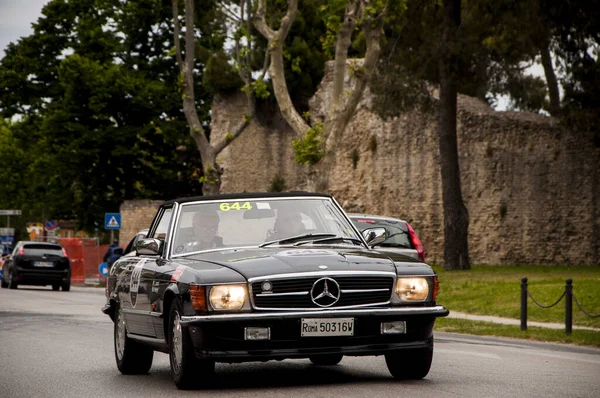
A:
x,y
523,304
569,307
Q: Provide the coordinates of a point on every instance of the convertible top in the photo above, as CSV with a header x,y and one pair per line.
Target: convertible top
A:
x,y
251,195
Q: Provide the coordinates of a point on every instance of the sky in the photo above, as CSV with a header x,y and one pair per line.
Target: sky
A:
x,y
16,17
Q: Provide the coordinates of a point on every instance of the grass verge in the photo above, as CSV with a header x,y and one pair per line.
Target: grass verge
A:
x,y
496,291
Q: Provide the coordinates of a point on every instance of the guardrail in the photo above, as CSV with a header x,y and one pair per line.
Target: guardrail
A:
x,y
567,295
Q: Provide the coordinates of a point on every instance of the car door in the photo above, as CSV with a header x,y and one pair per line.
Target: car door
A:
x,y
140,294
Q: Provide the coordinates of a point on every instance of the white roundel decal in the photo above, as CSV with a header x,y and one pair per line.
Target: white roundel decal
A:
x,y
136,276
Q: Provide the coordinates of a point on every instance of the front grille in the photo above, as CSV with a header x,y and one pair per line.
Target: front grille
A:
x,y
295,293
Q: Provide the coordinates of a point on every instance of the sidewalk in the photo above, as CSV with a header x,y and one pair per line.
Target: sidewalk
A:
x,y
517,322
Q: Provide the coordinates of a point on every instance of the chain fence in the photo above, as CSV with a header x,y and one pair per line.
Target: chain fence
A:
x,y
569,297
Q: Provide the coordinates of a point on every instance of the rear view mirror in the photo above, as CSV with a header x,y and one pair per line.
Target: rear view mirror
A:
x,y
149,246
255,214
374,236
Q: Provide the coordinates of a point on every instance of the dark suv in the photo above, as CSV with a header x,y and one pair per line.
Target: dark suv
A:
x,y
37,263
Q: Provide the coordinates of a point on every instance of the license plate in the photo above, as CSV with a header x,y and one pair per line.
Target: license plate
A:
x,y
327,327
43,263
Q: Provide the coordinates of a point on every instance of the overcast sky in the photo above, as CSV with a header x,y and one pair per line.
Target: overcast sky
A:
x,y
16,17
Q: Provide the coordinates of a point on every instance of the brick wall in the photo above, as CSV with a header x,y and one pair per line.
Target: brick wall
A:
x,y
532,187
135,216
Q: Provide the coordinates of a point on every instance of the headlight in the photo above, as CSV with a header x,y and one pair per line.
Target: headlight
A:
x,y
227,297
412,289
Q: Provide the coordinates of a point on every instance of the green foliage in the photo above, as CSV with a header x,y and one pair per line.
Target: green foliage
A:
x,y
219,75
373,144
100,116
355,157
308,150
277,184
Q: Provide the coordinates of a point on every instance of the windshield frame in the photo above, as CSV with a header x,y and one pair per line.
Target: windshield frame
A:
x,y
180,207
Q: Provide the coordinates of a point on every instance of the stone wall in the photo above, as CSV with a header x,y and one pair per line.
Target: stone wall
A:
x,y
532,188
135,216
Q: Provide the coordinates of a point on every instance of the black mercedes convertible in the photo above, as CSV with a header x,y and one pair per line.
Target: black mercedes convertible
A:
x,y
255,277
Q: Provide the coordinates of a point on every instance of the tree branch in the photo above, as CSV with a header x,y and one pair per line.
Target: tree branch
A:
x,y
341,53
176,34
259,21
373,29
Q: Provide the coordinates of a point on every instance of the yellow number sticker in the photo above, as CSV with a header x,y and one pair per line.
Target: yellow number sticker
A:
x,y
235,206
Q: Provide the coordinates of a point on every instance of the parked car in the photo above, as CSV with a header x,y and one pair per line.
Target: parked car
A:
x,y
37,263
401,237
256,277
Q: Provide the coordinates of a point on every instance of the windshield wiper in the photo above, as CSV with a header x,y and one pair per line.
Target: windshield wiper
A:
x,y
332,239
298,237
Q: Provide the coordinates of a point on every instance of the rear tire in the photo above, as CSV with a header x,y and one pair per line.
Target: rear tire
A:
x,y
187,370
12,283
3,282
132,357
326,360
409,364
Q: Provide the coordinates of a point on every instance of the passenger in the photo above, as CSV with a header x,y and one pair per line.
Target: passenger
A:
x,y
287,225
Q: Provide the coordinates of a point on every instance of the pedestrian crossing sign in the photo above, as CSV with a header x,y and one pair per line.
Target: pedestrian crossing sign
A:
x,y
112,220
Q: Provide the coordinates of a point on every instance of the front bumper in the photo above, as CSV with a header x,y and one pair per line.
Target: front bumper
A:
x,y
221,337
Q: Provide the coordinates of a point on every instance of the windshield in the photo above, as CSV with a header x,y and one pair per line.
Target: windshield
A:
x,y
254,222
397,231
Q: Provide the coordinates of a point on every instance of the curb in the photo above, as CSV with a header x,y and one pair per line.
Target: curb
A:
x,y
516,322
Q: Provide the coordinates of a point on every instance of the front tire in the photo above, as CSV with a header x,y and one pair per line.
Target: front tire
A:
x,y
3,282
66,287
55,287
188,372
132,357
410,364
326,360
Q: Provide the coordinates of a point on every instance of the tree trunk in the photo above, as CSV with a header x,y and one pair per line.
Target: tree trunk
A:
x,y
211,184
456,217
551,80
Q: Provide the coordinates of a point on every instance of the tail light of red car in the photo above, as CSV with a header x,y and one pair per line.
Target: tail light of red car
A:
x,y
416,242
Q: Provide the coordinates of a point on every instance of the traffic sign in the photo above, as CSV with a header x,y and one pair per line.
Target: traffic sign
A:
x,y
50,225
10,212
112,220
103,269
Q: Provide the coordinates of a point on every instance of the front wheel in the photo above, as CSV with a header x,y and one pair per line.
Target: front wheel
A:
x,y
326,360
132,357
409,364
188,372
55,286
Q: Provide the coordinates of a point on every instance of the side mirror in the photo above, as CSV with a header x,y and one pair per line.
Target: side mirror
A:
x,y
149,246
374,236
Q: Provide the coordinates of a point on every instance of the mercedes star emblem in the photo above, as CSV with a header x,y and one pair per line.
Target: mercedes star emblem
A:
x,y
325,292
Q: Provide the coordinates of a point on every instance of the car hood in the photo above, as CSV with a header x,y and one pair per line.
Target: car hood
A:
x,y
257,262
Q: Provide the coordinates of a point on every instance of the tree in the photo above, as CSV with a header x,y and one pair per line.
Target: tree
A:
x,y
208,149
100,117
317,142
456,216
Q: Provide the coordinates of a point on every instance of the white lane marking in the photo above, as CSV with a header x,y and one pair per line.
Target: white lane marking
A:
x,y
476,354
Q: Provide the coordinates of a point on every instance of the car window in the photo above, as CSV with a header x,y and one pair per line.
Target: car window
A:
x,y
39,249
163,224
397,231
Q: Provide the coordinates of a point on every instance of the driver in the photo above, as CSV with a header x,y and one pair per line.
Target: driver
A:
x,y
205,225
